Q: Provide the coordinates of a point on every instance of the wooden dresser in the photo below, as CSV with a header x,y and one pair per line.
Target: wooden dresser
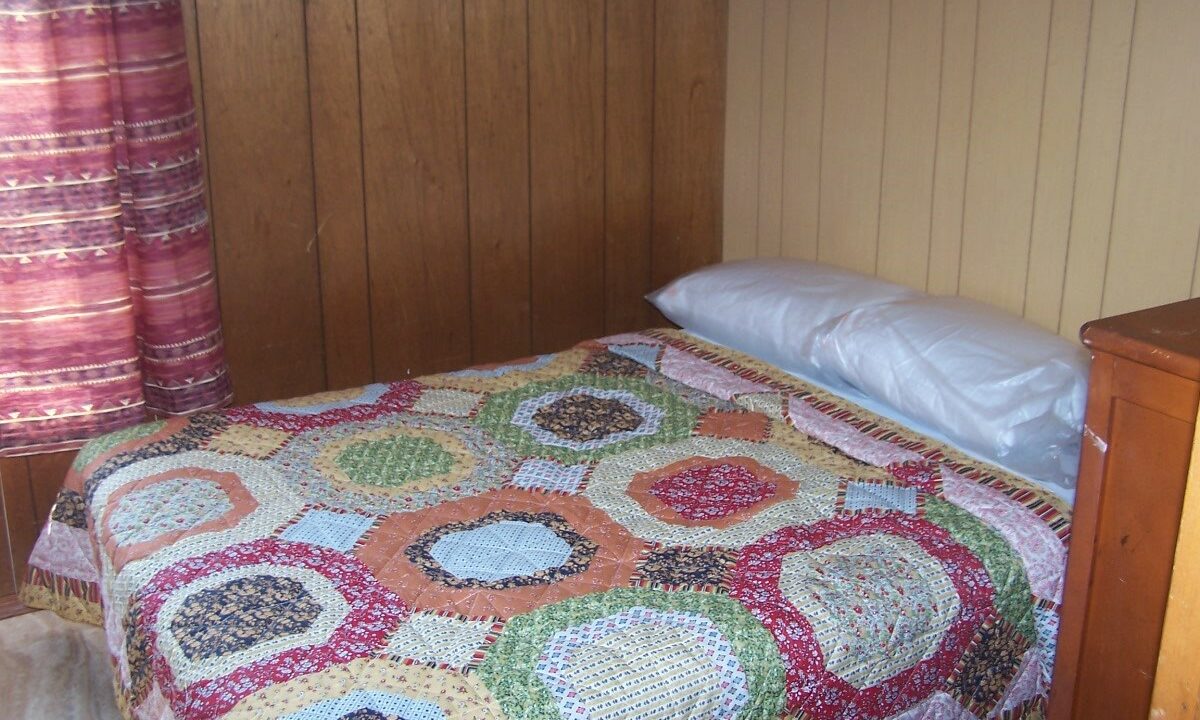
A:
x,y
1140,427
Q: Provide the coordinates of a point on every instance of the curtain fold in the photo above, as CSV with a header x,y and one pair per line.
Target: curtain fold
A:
x,y
108,299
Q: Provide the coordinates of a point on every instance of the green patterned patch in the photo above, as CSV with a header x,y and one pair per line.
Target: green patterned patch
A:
x,y
104,443
578,418
1014,596
394,461
510,668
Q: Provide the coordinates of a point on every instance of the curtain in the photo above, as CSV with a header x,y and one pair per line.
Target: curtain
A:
x,y
108,302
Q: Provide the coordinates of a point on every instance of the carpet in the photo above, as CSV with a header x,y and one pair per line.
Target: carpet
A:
x,y
51,668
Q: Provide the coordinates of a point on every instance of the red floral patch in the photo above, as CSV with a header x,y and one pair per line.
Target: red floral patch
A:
x,y
712,491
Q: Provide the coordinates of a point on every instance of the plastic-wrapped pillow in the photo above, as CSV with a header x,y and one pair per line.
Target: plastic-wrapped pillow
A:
x,y
992,383
770,308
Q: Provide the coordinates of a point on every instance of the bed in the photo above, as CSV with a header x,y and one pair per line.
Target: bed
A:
x,y
643,526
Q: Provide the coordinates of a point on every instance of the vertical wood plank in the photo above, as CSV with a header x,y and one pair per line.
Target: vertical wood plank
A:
x,y
628,159
852,140
46,474
20,513
566,56
771,143
1159,163
497,73
689,105
337,166
954,132
260,169
8,580
908,147
803,116
1096,166
1057,155
411,60
1002,160
743,108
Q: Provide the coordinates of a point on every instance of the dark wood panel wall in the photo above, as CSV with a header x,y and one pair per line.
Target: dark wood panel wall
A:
x,y
400,187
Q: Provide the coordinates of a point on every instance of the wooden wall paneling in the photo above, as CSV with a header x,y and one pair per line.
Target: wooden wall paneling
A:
x,y
689,97
852,140
906,191
46,474
497,91
1010,63
743,107
954,128
1159,163
20,513
566,56
414,137
1058,146
628,164
9,582
260,170
771,122
1096,166
803,118
338,176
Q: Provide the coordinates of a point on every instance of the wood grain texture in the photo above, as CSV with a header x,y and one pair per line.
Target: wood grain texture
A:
x,y
852,141
913,86
804,113
338,176
628,164
260,172
689,93
1058,147
1159,163
1010,62
411,59
8,580
771,127
743,107
497,91
46,475
566,54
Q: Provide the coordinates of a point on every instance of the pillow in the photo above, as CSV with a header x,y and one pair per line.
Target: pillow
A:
x,y
769,308
992,383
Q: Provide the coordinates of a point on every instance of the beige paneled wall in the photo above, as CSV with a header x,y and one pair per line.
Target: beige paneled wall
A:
x,y
1040,155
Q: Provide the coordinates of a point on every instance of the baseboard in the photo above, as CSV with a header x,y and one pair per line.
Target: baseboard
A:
x,y
11,606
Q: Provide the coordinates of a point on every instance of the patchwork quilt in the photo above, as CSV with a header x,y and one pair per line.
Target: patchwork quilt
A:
x,y
644,526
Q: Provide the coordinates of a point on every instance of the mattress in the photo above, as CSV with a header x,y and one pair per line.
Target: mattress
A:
x,y
643,526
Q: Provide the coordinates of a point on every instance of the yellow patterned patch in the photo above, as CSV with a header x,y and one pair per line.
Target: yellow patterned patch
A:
x,y
256,442
447,401
68,607
366,683
511,375
826,456
322,398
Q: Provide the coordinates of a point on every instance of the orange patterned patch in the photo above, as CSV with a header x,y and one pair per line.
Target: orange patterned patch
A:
x,y
611,564
736,425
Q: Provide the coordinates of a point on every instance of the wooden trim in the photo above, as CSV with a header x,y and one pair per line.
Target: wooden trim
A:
x,y
11,606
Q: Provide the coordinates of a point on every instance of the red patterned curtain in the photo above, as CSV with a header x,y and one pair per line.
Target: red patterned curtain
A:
x,y
108,303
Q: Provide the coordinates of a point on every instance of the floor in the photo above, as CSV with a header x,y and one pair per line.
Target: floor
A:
x,y
51,668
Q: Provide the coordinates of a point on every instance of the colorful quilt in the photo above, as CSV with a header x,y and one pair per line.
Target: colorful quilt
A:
x,y
644,526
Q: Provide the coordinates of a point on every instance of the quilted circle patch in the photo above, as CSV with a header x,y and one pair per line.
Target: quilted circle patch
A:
x,y
394,463
500,554
329,408
877,609
710,491
381,689
242,618
636,653
583,417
